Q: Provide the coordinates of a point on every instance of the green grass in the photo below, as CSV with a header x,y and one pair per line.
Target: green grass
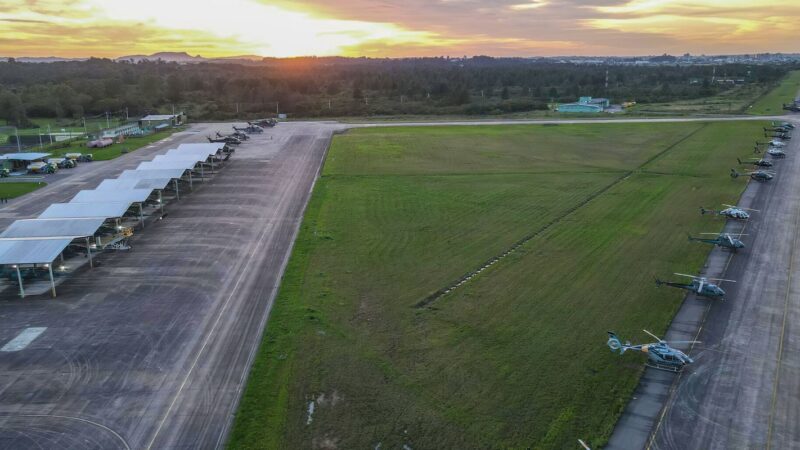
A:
x,y
734,101
14,189
516,357
785,92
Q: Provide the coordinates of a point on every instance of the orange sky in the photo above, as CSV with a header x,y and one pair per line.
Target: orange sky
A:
x,y
394,28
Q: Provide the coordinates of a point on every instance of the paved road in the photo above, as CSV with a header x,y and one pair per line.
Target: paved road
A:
x,y
151,348
744,390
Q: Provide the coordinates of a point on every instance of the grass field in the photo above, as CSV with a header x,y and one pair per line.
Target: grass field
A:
x,y
515,357
14,189
785,92
733,101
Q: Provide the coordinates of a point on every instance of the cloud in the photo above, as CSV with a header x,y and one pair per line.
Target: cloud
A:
x,y
396,27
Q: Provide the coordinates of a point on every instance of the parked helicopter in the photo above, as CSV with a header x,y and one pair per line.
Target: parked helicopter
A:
x,y
725,240
228,140
787,125
756,162
264,122
777,143
249,129
659,354
699,285
776,152
236,134
794,107
758,175
731,212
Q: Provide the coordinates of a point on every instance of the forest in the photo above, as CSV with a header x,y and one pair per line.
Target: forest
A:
x,y
340,87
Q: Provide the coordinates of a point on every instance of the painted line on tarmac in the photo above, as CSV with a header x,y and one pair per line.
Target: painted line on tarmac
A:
x,y
23,339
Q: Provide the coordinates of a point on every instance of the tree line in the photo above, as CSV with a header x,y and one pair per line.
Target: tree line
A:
x,y
319,87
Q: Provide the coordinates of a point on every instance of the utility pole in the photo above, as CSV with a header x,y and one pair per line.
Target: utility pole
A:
x,y
126,114
16,132
108,124
277,108
84,127
48,133
237,108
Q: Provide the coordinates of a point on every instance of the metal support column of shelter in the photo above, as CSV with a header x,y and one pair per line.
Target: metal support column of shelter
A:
x,y
89,252
141,213
177,194
161,201
52,280
19,278
190,180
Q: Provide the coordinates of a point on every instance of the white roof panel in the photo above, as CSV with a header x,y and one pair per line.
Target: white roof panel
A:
x,y
152,173
158,117
153,165
194,157
65,228
210,148
134,183
96,209
32,156
31,251
112,195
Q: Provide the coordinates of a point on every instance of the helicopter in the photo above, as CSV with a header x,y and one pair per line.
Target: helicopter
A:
x,y
228,140
659,354
236,134
731,212
264,122
758,175
725,240
777,129
249,129
757,162
699,285
777,143
785,125
794,107
776,152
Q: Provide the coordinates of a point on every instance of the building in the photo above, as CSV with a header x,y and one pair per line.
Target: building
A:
x,y
129,129
159,121
585,105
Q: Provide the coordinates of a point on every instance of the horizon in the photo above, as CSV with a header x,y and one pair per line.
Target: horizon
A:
x,y
392,29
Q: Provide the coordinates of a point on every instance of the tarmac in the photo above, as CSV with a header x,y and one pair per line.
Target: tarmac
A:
x,y
151,349
743,390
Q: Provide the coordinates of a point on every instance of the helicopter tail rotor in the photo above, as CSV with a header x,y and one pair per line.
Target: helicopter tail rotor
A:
x,y
614,343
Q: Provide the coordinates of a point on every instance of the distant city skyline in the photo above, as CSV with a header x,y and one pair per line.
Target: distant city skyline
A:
x,y
392,28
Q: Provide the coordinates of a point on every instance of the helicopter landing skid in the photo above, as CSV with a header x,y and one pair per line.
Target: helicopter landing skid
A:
x,y
664,367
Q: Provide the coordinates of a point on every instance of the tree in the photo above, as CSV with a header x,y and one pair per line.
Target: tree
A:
x,y
504,94
11,108
174,88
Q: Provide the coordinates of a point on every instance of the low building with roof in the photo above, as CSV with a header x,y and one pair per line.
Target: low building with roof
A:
x,y
585,105
161,121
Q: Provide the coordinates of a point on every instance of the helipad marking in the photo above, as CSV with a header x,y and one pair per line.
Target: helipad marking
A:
x,y
23,339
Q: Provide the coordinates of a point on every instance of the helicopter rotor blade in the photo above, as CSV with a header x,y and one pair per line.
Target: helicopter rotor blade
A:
x,y
739,207
683,342
654,336
721,279
686,275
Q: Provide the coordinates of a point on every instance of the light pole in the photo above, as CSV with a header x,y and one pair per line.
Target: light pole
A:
x,y
16,132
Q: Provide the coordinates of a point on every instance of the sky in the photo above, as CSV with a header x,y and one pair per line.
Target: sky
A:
x,y
396,28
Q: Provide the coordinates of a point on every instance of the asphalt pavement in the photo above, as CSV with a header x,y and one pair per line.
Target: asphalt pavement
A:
x,y
743,390
151,349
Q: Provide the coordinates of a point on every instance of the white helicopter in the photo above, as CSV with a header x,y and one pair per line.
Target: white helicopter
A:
x,y
731,212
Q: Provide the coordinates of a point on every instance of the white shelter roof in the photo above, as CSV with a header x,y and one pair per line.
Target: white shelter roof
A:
x,y
211,148
134,183
112,195
155,117
63,227
31,156
31,251
168,158
153,173
105,210
153,165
